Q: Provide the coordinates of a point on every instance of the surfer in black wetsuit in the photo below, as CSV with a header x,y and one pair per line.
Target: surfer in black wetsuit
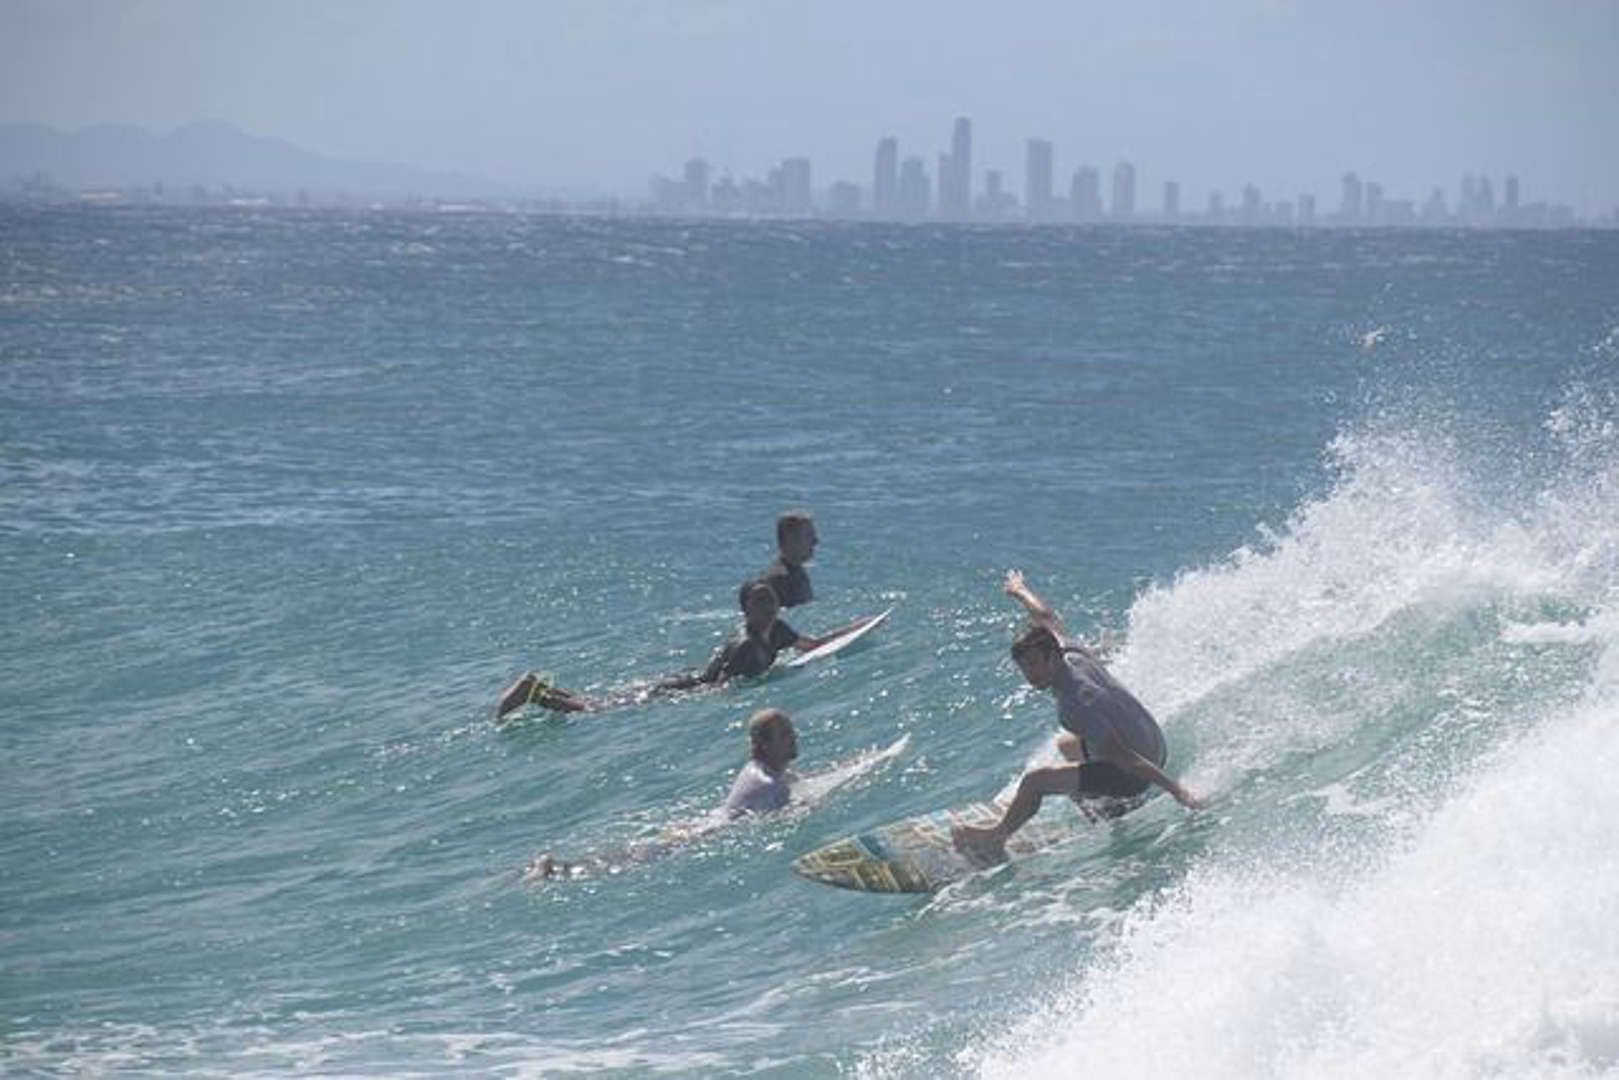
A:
x,y
749,653
1114,749
795,545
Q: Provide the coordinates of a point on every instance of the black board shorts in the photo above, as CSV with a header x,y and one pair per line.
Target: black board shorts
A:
x,y
1104,780
1117,791
1107,791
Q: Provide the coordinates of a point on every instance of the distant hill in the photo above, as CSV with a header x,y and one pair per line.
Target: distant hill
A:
x,y
212,154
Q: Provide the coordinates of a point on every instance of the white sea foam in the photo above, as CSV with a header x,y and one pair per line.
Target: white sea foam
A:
x,y
1486,946
1481,937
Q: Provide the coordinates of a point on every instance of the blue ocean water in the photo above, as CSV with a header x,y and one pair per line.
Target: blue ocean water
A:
x,y
286,498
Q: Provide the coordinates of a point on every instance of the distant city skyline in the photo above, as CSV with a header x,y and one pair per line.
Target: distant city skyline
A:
x,y
582,99
903,192
214,162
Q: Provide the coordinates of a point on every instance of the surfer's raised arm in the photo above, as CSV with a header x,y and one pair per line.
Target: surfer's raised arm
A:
x,y
1040,611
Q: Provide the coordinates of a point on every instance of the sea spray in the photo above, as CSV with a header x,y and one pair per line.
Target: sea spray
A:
x,y
1467,925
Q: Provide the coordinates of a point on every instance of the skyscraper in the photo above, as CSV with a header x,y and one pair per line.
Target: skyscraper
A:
x,y
914,191
956,198
1374,202
1253,205
1477,203
696,184
795,186
1124,190
1037,181
1172,200
885,178
995,203
843,199
1434,211
1351,209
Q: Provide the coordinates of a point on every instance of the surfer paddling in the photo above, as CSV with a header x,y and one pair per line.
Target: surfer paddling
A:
x,y
764,784
795,545
1115,750
749,653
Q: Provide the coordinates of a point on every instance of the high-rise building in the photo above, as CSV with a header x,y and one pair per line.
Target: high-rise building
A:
x,y
795,186
1351,209
947,185
960,188
1434,211
1124,191
1037,200
696,183
1477,203
915,193
725,197
1253,206
1086,194
1172,200
885,178
1306,209
996,203
843,199
1374,202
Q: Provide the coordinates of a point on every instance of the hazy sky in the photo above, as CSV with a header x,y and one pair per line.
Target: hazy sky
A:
x,y
601,94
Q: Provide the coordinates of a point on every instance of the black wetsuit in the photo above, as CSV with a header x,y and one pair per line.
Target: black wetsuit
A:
x,y
789,581
741,656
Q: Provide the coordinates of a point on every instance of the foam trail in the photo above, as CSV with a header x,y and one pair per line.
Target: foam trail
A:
x,y
1473,931
1485,947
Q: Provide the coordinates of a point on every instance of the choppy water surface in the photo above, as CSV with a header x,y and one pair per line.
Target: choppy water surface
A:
x,y
285,499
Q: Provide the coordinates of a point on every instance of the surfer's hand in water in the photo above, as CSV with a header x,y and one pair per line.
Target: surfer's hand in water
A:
x,y
1188,800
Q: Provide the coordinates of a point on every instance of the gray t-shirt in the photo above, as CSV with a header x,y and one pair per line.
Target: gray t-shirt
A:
x,y
1089,701
755,790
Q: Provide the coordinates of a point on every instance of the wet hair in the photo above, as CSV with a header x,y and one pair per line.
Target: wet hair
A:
x,y
790,521
1035,638
760,725
753,590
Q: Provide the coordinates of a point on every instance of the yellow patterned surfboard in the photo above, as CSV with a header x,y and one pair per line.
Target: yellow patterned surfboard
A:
x,y
916,855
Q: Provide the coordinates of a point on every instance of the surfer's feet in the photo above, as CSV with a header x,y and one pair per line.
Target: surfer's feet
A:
x,y
542,867
981,844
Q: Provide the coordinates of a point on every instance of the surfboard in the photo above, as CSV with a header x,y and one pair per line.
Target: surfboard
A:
x,y
915,855
811,789
838,644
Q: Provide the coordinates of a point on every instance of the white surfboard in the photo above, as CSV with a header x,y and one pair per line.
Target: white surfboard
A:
x,y
838,644
811,789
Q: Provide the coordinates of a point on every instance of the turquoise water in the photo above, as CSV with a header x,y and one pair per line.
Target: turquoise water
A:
x,y
285,499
